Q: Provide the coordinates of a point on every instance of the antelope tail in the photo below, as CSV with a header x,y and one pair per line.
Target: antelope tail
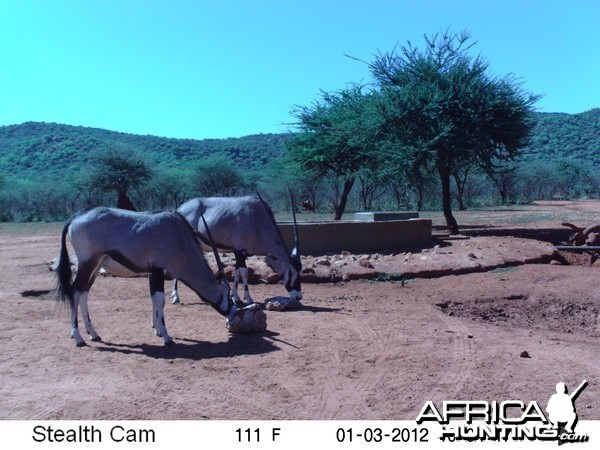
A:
x,y
572,227
64,276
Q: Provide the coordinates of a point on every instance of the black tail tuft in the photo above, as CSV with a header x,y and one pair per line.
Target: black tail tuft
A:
x,y
64,276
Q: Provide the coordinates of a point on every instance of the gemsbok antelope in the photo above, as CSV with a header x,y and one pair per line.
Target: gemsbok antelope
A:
x,y
161,245
246,225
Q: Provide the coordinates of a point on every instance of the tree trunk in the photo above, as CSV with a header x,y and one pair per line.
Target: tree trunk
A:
x,y
339,210
447,199
503,195
418,182
124,203
460,189
420,195
461,203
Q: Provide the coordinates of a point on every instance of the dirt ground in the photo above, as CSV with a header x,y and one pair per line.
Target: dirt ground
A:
x,y
495,314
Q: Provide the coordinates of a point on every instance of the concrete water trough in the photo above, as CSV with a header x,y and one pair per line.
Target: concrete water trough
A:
x,y
359,236
379,216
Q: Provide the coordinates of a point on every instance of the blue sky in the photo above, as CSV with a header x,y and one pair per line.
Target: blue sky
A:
x,y
215,69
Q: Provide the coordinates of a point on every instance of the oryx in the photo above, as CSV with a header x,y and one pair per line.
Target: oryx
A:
x,y
125,242
246,226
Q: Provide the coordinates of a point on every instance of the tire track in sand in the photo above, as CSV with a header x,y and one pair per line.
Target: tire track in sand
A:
x,y
460,362
353,373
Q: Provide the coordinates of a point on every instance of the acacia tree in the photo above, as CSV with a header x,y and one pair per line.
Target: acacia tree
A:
x,y
216,175
338,137
170,188
444,105
118,170
283,175
460,175
406,165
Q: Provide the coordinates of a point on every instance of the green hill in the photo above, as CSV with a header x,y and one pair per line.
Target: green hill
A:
x,y
560,135
34,149
43,168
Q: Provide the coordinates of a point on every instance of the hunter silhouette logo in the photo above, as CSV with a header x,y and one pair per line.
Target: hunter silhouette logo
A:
x,y
513,420
561,408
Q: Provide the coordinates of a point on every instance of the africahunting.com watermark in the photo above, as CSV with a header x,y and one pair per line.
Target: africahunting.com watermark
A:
x,y
510,420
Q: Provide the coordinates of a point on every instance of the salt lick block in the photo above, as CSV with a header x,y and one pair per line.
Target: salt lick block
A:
x,y
281,303
250,319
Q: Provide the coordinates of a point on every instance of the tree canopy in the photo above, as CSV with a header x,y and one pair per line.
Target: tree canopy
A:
x,y
442,107
120,171
338,135
216,176
434,120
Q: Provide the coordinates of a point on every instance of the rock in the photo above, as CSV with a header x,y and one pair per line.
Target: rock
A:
x,y
254,276
281,303
524,354
366,263
272,278
323,262
359,274
250,319
318,275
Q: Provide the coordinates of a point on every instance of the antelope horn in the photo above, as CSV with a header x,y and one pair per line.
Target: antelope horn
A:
x,y
214,249
267,208
593,228
296,236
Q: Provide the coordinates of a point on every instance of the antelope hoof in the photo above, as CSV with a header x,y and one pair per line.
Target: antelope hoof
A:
x,y
81,344
170,343
96,339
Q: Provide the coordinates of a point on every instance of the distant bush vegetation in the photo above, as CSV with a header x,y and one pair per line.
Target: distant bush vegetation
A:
x,y
45,170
